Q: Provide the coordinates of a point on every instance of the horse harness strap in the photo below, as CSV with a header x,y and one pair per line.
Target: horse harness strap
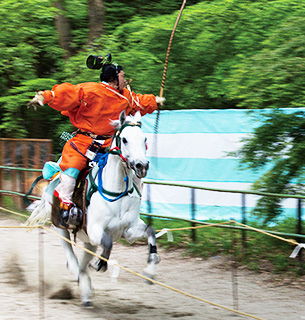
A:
x,y
93,187
118,195
116,151
117,136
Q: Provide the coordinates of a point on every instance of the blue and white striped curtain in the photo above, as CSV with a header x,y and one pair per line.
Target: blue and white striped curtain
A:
x,y
193,148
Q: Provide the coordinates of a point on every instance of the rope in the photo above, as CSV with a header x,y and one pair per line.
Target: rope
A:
x,y
268,234
19,227
136,273
295,252
13,212
148,279
198,227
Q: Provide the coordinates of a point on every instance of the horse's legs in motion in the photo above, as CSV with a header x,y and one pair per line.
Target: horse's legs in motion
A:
x,y
79,271
106,243
153,257
140,230
84,280
72,262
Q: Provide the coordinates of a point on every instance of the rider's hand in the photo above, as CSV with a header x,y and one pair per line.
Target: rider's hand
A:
x,y
38,100
160,101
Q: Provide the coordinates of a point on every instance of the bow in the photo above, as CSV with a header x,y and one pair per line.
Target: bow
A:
x,y
164,73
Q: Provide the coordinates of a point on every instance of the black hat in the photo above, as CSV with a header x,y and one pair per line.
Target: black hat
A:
x,y
110,72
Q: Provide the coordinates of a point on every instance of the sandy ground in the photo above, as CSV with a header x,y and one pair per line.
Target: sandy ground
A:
x,y
129,297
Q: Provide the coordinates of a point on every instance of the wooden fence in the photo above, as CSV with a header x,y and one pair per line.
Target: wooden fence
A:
x,y
23,153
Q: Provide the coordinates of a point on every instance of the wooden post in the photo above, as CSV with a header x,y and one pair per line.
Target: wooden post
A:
x,y
149,205
37,155
1,170
50,151
299,231
25,163
234,266
13,173
41,290
244,220
193,210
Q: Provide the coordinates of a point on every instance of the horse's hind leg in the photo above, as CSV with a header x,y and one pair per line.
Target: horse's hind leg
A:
x,y
84,280
79,271
72,262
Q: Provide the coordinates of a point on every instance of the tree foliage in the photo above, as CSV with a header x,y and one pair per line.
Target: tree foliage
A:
x,y
277,147
28,43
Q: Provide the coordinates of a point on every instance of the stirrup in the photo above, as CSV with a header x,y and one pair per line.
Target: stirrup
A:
x,y
70,215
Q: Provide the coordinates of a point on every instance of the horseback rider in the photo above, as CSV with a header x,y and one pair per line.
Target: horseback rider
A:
x,y
90,107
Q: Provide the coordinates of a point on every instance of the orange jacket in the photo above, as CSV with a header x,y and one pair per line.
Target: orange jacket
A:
x,y
91,106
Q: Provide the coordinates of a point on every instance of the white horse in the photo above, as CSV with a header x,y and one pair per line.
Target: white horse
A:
x,y
112,213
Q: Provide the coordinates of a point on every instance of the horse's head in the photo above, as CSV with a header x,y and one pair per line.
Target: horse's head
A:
x,y
131,141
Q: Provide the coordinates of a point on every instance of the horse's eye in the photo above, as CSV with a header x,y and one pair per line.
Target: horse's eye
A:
x,y
124,140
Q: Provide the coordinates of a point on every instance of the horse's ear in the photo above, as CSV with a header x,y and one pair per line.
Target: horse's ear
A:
x,y
122,117
137,117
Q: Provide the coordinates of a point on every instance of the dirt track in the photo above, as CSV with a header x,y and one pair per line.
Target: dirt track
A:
x,y
130,298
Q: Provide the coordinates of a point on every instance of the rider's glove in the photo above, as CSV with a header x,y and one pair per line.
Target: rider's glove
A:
x,y
160,101
38,100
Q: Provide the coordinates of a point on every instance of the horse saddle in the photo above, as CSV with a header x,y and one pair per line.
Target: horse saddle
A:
x,y
81,196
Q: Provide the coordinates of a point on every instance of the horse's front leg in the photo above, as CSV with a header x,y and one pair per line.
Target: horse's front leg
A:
x,y
106,243
140,230
153,257
100,237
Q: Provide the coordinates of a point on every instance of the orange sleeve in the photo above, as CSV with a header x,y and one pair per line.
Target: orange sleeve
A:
x,y
147,103
63,97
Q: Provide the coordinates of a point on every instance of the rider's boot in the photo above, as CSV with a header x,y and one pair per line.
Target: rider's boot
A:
x,y
70,214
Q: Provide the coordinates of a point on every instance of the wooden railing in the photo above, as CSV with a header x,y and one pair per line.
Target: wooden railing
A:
x,y
26,153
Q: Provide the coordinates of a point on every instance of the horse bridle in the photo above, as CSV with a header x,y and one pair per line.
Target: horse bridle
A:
x,y
118,141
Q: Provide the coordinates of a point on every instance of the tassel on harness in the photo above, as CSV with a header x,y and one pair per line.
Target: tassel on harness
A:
x,y
26,199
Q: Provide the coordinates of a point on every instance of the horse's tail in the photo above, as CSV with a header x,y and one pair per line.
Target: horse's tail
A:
x,y
41,214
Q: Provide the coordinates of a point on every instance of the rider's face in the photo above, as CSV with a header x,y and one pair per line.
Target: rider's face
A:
x,y
122,80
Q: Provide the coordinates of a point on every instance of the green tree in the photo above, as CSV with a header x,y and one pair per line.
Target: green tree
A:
x,y
28,42
276,148
21,122
274,78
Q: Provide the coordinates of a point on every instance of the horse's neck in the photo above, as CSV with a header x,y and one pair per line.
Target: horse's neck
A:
x,y
114,173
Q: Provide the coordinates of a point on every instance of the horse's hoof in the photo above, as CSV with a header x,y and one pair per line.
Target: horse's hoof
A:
x,y
102,266
99,265
149,282
87,304
150,277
